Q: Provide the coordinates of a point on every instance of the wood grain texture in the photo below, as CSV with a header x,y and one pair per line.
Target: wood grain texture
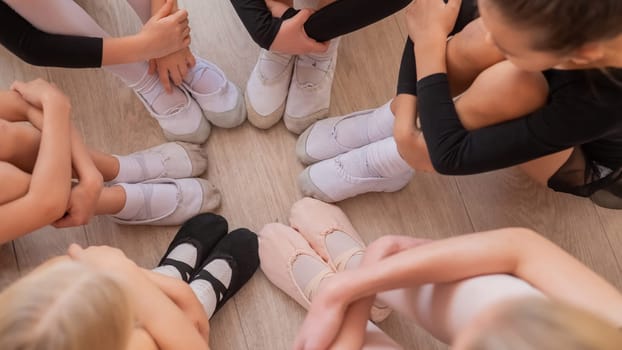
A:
x,y
256,171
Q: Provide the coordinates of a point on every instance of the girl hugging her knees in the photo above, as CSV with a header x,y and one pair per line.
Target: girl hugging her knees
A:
x,y
56,180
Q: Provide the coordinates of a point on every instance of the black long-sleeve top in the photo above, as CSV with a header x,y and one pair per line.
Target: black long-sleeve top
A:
x,y
584,109
336,19
44,49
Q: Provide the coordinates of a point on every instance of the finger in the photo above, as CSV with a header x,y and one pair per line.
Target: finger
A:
x,y
454,3
317,47
164,79
176,75
183,70
302,16
191,60
152,66
75,251
181,16
186,33
165,10
17,85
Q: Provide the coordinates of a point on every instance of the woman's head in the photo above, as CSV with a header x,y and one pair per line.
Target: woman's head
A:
x,y
540,34
538,324
65,306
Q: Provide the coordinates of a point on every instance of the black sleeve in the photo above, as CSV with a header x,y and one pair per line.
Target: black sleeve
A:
x,y
258,21
325,24
559,125
346,16
44,49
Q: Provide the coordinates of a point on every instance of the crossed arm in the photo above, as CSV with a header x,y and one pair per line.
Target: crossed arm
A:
x,y
392,264
33,198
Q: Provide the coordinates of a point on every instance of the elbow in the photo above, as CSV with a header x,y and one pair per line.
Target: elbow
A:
x,y
32,56
51,208
442,166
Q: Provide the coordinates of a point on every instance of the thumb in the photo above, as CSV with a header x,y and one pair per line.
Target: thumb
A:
x,y
165,10
454,5
17,84
317,47
302,16
75,251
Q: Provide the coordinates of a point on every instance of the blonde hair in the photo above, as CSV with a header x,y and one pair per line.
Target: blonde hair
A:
x,y
532,324
67,306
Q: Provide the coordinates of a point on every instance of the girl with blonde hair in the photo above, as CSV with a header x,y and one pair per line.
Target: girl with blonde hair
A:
x,y
98,299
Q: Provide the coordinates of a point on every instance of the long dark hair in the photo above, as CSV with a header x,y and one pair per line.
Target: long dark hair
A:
x,y
564,25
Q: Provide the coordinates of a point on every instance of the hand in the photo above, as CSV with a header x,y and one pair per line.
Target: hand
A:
x,y
102,257
194,311
82,203
324,319
174,66
166,32
431,19
292,38
39,92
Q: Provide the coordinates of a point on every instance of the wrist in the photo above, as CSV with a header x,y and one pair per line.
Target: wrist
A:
x,y
431,56
93,180
57,103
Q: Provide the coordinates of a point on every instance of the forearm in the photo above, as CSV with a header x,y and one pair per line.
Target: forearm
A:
x,y
127,49
51,176
441,261
167,324
352,332
176,290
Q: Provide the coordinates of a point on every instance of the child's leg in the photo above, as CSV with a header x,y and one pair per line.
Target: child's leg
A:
x,y
19,144
501,93
445,309
142,9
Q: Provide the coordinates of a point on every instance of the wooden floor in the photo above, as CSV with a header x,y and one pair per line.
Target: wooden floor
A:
x,y
256,172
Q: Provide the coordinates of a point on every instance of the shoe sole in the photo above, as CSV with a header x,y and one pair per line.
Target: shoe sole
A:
x,y
298,125
308,188
263,121
301,148
229,119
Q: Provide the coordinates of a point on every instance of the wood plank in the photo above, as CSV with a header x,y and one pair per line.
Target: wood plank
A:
x,y
509,198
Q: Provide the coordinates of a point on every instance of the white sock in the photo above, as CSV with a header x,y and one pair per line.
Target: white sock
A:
x,y
383,159
186,253
365,128
203,79
273,63
203,289
147,201
150,88
378,159
136,168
